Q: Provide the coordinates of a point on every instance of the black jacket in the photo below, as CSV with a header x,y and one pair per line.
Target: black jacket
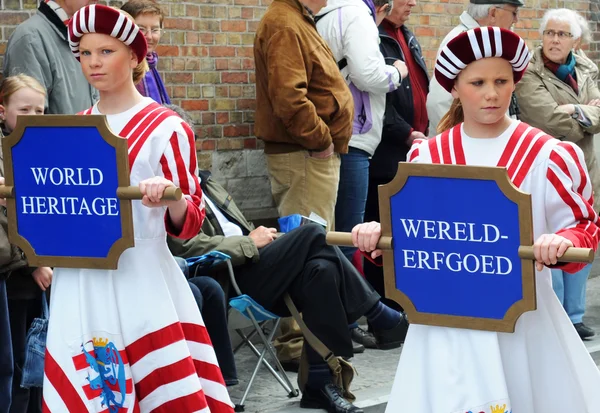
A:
x,y
399,108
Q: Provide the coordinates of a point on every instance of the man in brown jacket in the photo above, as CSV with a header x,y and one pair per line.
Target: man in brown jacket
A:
x,y
304,113
304,109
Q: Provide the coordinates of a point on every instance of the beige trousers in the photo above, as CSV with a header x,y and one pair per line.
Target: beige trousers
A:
x,y
301,184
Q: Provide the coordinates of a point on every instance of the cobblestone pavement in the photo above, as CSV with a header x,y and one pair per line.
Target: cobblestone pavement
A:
x,y
376,370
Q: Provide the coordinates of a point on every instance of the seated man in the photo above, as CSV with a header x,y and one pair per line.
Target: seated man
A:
x,y
320,280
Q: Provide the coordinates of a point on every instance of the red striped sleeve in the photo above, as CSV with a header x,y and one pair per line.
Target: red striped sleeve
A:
x,y
569,205
179,165
413,153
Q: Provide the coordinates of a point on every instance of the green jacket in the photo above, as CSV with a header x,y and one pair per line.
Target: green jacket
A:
x,y
241,248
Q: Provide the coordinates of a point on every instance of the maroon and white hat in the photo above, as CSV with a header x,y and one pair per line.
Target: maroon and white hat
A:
x,y
97,18
480,43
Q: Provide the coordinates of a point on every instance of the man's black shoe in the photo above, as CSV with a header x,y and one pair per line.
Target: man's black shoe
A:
x,y
357,348
329,398
392,338
584,331
363,337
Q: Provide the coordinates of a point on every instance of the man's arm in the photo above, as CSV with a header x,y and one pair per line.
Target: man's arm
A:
x,y
288,86
366,68
240,248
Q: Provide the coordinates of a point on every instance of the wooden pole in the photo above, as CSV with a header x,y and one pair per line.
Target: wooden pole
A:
x,y
133,192
344,239
572,254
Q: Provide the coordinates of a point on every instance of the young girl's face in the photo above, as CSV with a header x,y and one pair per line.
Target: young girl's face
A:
x,y
484,88
25,101
107,63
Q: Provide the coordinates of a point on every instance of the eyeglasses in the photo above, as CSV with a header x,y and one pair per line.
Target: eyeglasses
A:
x,y
515,12
154,32
561,35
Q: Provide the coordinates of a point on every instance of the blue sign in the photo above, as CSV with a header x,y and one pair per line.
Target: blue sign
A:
x,y
456,242
65,181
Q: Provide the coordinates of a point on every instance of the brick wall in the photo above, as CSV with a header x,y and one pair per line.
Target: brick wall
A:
x,y
207,63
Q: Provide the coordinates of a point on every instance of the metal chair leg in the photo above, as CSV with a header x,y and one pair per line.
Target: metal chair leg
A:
x,y
293,392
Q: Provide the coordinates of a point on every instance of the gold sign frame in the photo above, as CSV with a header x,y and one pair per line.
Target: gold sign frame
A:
x,y
523,201
64,121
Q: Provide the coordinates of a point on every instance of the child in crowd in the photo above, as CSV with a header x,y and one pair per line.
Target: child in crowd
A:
x,y
149,18
133,339
20,95
543,366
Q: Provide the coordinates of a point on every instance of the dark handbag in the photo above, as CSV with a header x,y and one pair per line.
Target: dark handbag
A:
x,y
342,370
35,348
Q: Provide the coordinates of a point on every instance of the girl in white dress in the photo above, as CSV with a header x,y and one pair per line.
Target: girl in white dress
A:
x,y
133,339
543,367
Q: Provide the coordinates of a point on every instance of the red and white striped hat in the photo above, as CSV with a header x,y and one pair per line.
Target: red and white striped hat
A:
x,y
97,18
480,43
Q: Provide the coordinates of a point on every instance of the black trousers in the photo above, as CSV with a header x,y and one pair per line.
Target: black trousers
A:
x,y
323,284
374,273
22,313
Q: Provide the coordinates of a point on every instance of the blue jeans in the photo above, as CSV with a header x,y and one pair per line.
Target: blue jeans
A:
x,y
570,290
6,356
352,193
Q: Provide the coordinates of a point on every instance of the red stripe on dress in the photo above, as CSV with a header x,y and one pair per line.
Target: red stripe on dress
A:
x,y
562,165
209,371
154,341
459,153
445,143
91,394
433,150
45,408
182,176
142,128
564,194
80,361
513,144
217,406
62,385
165,375
165,168
190,403
193,160
139,143
414,155
120,410
196,333
582,174
518,178
136,406
137,118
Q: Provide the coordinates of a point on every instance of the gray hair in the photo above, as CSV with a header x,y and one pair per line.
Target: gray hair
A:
x,y
586,35
480,11
565,16
182,113
379,3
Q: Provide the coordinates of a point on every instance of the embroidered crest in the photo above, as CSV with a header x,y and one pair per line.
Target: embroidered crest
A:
x,y
106,374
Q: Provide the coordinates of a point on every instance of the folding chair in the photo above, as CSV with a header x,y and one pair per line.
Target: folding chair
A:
x,y
259,319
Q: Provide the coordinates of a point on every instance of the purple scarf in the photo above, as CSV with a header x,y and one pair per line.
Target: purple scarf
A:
x,y
371,7
152,85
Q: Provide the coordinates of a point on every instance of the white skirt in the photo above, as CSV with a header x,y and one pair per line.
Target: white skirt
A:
x,y
543,367
130,340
